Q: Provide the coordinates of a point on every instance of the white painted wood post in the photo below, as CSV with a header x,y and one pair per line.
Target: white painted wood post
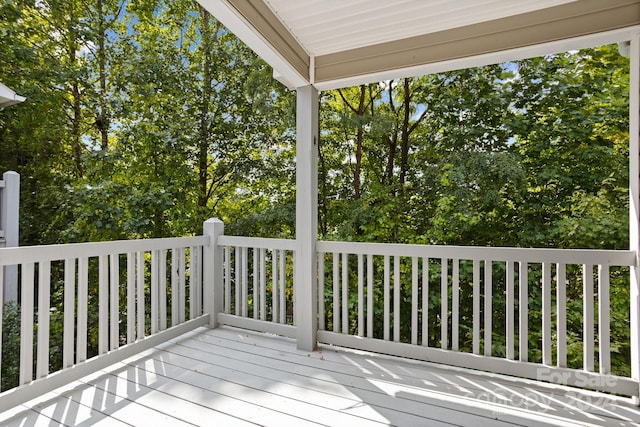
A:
x,y
9,215
213,278
305,283
634,201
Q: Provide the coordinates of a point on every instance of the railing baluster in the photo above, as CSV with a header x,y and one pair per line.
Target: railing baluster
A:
x,y
476,306
44,291
182,279
26,323
140,297
414,300
455,306
162,291
131,298
238,280
396,298
345,293
69,312
114,304
360,296
561,317
245,282
255,256
283,288
193,283
274,285
336,292
175,289
588,314
227,279
425,302
444,303
603,320
523,307
386,301
488,309
83,301
321,318
199,272
370,296
103,304
155,284
510,326
546,313
263,284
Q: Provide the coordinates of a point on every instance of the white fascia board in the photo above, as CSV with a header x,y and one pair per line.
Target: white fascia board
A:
x,y
575,43
236,23
9,97
5,102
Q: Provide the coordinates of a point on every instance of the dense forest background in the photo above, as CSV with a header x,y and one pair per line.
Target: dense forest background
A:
x,y
145,117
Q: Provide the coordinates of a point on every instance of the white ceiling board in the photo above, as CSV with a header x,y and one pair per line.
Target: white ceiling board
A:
x,y
327,43
328,26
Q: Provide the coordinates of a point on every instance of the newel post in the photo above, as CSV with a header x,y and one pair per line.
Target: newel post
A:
x,y
213,270
9,223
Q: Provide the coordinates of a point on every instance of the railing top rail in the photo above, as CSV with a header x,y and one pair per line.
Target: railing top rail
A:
x,y
9,256
563,256
257,242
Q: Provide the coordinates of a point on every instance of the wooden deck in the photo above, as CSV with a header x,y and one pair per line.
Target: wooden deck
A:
x,y
231,377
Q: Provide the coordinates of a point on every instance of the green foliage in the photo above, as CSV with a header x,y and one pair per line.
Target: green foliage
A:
x,y
144,118
10,345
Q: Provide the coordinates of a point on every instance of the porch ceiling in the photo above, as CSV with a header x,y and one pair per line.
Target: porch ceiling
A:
x,y
336,43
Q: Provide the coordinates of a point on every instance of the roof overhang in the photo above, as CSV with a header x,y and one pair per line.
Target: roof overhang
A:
x,y
9,97
298,59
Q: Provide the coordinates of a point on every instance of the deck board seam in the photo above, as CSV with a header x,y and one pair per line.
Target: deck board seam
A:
x,y
505,411
111,374
214,392
593,411
429,367
254,388
314,390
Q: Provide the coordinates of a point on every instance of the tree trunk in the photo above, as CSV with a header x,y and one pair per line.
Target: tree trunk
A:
x,y
102,121
359,112
404,137
76,118
203,133
392,140
359,137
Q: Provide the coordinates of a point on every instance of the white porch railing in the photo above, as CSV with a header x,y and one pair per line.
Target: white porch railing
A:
x,y
434,303
118,298
391,281
258,284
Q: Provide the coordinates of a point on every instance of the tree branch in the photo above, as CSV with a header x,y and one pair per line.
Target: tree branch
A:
x,y
347,102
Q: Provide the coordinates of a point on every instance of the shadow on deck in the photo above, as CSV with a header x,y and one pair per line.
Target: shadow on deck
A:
x,y
229,376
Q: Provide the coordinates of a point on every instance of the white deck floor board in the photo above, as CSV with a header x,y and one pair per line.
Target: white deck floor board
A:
x,y
286,369
298,388
187,394
230,377
254,393
443,384
448,380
